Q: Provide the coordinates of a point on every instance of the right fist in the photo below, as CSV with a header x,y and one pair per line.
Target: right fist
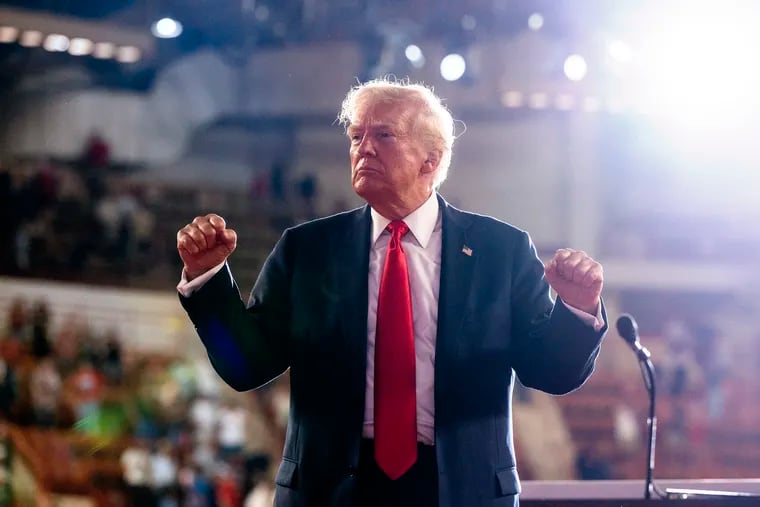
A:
x,y
205,243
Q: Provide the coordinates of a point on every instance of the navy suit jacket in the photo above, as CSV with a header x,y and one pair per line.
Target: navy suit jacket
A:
x,y
308,312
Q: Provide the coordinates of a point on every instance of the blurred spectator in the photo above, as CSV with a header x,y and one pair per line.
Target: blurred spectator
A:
x,y
231,430
97,152
18,332
227,486
8,389
204,417
40,322
164,474
45,393
85,387
7,218
112,364
135,464
307,192
278,176
67,343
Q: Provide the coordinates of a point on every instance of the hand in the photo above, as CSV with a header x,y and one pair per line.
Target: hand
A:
x,y
204,243
577,279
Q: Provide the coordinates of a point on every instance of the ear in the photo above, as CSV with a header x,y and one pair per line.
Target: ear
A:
x,y
431,163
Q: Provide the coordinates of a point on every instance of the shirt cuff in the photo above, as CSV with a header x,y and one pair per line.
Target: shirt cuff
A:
x,y
595,321
187,288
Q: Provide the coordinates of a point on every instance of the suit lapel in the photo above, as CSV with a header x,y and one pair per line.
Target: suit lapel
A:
x,y
458,262
350,268
350,261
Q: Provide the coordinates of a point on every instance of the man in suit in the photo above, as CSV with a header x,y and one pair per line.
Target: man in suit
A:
x,y
402,322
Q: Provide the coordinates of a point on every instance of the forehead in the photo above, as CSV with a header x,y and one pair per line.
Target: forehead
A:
x,y
392,113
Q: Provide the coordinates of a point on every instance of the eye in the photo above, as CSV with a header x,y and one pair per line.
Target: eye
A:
x,y
385,134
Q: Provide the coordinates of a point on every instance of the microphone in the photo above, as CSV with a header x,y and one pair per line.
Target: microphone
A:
x,y
629,331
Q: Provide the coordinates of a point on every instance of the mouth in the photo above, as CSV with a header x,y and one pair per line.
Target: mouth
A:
x,y
364,167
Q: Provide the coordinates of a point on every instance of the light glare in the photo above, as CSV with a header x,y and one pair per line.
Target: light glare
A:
x,y
453,67
31,38
56,42
167,28
535,21
8,34
575,67
80,46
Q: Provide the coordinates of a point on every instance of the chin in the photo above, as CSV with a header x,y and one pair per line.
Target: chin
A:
x,y
367,190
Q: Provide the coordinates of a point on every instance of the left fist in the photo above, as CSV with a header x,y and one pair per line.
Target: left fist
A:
x,y
577,279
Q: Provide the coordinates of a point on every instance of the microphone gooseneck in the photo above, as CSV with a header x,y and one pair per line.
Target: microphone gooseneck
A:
x,y
629,331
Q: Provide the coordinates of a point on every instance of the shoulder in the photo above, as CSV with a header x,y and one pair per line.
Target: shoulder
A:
x,y
484,225
320,227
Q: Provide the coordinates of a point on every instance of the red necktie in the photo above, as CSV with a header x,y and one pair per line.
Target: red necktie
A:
x,y
395,379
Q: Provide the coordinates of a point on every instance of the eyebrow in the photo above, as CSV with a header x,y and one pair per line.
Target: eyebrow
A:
x,y
373,126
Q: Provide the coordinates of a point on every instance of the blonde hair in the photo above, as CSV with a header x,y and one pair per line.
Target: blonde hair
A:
x,y
431,121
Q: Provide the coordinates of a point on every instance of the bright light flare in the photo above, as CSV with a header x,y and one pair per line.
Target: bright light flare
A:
x,y
700,68
453,67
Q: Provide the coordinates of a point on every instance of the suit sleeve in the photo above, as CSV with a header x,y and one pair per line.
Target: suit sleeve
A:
x,y
552,349
246,344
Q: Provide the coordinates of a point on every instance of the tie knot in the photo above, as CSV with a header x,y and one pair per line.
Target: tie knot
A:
x,y
397,228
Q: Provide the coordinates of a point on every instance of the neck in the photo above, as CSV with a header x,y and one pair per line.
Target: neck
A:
x,y
398,210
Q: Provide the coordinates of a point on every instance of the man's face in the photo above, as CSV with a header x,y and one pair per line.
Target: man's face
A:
x,y
389,165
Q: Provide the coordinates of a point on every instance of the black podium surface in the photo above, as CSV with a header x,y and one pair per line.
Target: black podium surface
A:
x,y
691,502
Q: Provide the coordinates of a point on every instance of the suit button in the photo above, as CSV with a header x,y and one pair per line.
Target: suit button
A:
x,y
351,472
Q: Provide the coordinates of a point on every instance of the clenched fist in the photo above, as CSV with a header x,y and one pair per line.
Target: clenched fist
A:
x,y
577,279
204,243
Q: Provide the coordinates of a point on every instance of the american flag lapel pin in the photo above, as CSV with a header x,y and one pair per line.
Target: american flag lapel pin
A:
x,y
467,250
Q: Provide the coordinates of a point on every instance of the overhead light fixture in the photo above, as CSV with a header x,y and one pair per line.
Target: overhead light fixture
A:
x,y
575,67
30,38
8,34
167,28
535,21
127,54
453,67
56,42
80,46
103,50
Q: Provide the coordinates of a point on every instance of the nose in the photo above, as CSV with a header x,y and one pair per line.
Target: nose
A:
x,y
365,146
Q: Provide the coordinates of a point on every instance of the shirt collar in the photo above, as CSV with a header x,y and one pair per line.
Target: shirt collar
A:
x,y
421,222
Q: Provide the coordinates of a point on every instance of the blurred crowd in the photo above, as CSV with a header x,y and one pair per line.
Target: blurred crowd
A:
x,y
62,218
180,441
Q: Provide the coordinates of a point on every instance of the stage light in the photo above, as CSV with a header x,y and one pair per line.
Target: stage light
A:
x,y
80,46
512,99
538,100
56,43
564,102
128,54
103,50
414,54
453,67
591,104
620,51
167,28
8,34
696,67
575,67
469,23
31,38
535,21
261,13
